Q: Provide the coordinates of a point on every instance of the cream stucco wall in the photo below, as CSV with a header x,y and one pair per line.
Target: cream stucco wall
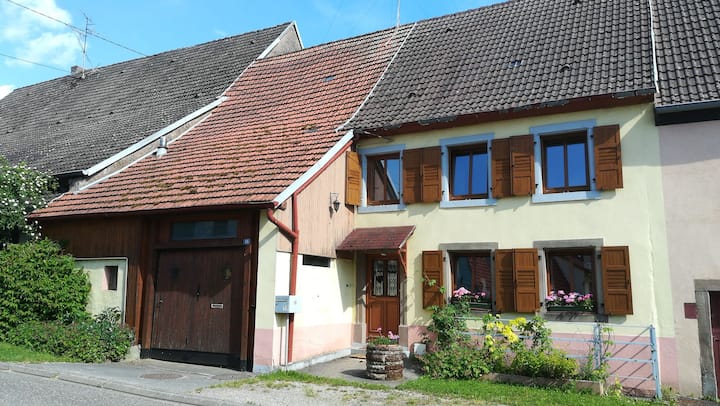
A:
x,y
327,294
690,156
632,216
101,297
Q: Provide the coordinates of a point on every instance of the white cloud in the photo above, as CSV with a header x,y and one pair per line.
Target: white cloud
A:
x,y
5,90
37,38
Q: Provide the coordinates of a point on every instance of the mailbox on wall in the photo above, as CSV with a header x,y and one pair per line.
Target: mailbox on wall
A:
x,y
287,304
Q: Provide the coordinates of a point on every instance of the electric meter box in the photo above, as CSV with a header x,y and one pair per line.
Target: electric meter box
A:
x,y
287,304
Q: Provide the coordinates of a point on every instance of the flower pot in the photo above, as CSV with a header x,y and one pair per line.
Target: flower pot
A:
x,y
480,306
384,362
568,308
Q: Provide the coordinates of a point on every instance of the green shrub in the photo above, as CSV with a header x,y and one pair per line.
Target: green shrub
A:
x,y
448,324
459,361
548,364
39,283
90,340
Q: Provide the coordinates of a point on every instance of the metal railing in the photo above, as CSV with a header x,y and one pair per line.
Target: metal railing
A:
x,y
627,349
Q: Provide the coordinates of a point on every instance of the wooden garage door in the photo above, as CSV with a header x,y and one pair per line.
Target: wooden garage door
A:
x,y
194,300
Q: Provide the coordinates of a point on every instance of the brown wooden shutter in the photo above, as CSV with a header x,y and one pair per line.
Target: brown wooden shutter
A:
x,y
522,153
432,266
608,162
353,176
504,283
617,290
412,176
501,173
527,280
431,175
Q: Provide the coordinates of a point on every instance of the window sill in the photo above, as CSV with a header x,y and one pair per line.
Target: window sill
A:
x,y
565,197
586,317
381,209
449,204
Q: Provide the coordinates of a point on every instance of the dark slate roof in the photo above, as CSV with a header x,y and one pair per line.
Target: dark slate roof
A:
x,y
280,117
69,124
514,55
687,35
376,238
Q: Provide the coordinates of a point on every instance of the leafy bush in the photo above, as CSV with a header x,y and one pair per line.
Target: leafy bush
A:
x,y
39,283
90,340
459,361
448,324
548,364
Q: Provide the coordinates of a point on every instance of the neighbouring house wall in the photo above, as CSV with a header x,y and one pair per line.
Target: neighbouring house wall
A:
x,y
690,157
631,216
288,42
102,296
272,279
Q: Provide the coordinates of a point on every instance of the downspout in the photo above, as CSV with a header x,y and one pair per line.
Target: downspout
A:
x,y
292,235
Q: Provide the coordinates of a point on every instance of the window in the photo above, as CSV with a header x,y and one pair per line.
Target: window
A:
x,y
472,272
111,277
313,260
572,270
574,161
469,172
204,230
565,162
385,278
383,179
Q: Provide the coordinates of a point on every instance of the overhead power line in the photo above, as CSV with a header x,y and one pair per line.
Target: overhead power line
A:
x,y
78,29
34,63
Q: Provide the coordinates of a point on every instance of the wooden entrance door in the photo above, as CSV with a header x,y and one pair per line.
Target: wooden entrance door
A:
x,y
193,300
715,327
383,304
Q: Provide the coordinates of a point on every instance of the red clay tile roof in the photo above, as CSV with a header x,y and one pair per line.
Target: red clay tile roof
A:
x,y
376,238
280,117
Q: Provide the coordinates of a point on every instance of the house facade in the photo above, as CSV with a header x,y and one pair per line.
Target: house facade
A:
x,y
519,168
687,114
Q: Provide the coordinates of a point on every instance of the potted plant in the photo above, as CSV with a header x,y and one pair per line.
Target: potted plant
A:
x,y
572,301
475,300
384,357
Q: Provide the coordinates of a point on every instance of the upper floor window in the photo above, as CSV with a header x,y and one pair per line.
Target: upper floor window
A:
x,y
565,166
203,230
383,179
469,172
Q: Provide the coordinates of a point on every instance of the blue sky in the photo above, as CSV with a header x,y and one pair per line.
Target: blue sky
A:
x,y
153,26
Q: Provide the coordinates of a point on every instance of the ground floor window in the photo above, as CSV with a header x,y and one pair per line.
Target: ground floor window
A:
x,y
472,271
571,278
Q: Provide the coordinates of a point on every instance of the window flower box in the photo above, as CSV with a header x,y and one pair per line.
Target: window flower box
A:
x,y
569,302
479,301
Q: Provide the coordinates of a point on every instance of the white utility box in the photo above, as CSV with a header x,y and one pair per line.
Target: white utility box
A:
x,y
287,304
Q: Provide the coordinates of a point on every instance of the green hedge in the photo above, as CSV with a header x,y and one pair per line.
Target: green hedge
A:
x,y
39,283
92,340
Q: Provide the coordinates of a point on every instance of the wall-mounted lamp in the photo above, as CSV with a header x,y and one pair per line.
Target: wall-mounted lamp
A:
x,y
334,202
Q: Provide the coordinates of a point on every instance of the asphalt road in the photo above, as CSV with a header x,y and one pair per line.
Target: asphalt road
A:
x,y
21,389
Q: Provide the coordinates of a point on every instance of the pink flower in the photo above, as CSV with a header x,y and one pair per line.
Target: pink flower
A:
x,y
482,294
460,292
561,292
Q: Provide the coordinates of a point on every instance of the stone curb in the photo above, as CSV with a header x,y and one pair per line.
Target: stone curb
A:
x,y
118,387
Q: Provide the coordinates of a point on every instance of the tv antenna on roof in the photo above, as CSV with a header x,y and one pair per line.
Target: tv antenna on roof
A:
x,y
397,20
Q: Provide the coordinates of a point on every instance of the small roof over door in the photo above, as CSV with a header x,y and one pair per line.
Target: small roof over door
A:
x,y
377,239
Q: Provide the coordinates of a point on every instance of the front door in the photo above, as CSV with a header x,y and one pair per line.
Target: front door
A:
x,y
193,300
715,326
383,304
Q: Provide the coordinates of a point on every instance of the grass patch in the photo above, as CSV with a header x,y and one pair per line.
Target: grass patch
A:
x,y
511,394
13,353
294,376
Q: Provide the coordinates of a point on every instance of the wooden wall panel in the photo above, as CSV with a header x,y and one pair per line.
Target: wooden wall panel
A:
x,y
322,229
